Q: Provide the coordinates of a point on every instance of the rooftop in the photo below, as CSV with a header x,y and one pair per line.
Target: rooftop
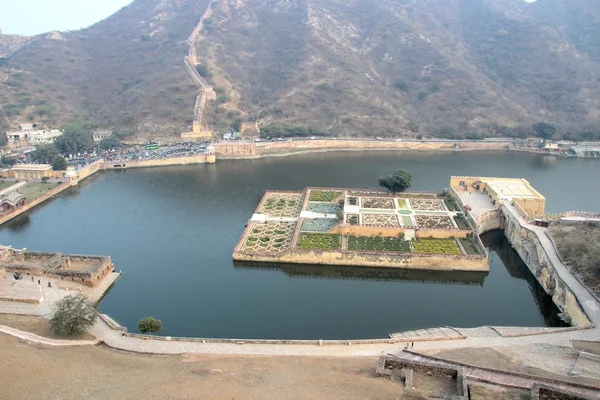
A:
x,y
32,167
513,189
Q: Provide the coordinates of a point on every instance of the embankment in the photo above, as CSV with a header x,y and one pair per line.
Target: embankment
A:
x,y
161,162
527,244
35,202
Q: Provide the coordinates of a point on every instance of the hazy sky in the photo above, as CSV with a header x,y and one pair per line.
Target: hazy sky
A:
x,y
31,17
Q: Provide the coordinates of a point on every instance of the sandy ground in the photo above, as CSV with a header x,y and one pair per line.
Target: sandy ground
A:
x,y
29,371
38,325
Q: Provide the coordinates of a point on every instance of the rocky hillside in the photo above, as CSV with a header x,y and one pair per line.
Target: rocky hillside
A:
x,y
347,67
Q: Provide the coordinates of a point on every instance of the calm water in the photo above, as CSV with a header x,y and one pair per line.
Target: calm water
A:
x,y
172,231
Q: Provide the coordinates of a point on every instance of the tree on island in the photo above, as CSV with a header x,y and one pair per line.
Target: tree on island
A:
x,y
399,181
59,163
150,325
72,316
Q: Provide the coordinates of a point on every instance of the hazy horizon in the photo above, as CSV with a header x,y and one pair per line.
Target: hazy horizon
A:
x,y
34,17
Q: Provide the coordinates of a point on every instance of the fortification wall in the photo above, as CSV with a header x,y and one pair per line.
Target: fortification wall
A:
x,y
489,221
436,262
527,245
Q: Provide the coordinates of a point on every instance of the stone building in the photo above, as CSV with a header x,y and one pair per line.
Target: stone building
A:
x,y
29,134
11,198
499,190
33,172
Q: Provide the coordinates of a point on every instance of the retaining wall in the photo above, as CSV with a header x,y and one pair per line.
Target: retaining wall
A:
x,y
436,262
49,194
161,162
532,252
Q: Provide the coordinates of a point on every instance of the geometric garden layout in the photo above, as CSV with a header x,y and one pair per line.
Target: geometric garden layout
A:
x,y
315,219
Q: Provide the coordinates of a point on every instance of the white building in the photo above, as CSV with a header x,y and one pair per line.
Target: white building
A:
x,y
27,135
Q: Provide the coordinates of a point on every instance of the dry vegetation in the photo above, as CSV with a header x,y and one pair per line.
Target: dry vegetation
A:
x,y
375,67
578,244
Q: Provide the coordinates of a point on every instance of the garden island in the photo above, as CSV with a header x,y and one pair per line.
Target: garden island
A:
x,y
354,227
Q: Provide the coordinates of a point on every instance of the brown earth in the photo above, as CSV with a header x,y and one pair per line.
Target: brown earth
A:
x,y
30,371
577,243
38,325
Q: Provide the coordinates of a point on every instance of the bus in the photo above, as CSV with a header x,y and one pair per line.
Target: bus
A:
x,y
152,146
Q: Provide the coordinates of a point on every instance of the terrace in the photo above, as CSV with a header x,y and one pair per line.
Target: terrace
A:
x,y
343,222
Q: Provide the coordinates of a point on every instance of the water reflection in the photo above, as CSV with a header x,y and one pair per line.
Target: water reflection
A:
x,y
369,273
20,223
498,243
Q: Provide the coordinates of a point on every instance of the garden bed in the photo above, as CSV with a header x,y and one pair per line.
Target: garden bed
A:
x,y
470,246
436,246
402,203
324,195
282,205
353,201
269,238
318,225
323,208
462,222
377,202
352,219
319,241
377,243
434,222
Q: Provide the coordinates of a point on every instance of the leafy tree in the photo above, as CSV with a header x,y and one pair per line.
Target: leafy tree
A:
x,y
544,129
75,139
8,160
237,124
203,70
3,138
414,127
110,142
59,163
401,84
44,153
72,316
399,181
150,325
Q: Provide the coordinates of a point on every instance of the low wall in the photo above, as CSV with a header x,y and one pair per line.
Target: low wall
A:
x,y
587,346
532,252
434,262
161,162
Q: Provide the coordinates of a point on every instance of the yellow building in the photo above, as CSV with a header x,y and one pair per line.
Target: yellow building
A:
x,y
517,190
31,171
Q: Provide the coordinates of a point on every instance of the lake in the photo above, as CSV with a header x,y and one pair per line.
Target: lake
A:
x,y
172,231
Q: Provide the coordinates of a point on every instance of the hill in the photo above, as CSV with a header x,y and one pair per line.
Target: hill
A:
x,y
346,67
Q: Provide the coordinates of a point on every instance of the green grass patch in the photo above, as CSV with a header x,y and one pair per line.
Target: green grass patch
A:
x,y
402,203
452,204
471,247
34,190
5,184
407,221
461,221
323,195
378,243
436,246
319,241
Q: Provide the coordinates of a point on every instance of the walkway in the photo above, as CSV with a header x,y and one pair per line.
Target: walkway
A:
x,y
586,299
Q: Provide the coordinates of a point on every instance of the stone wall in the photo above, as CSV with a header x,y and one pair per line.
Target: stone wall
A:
x,y
358,230
489,221
161,162
49,194
266,148
373,259
527,245
542,391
